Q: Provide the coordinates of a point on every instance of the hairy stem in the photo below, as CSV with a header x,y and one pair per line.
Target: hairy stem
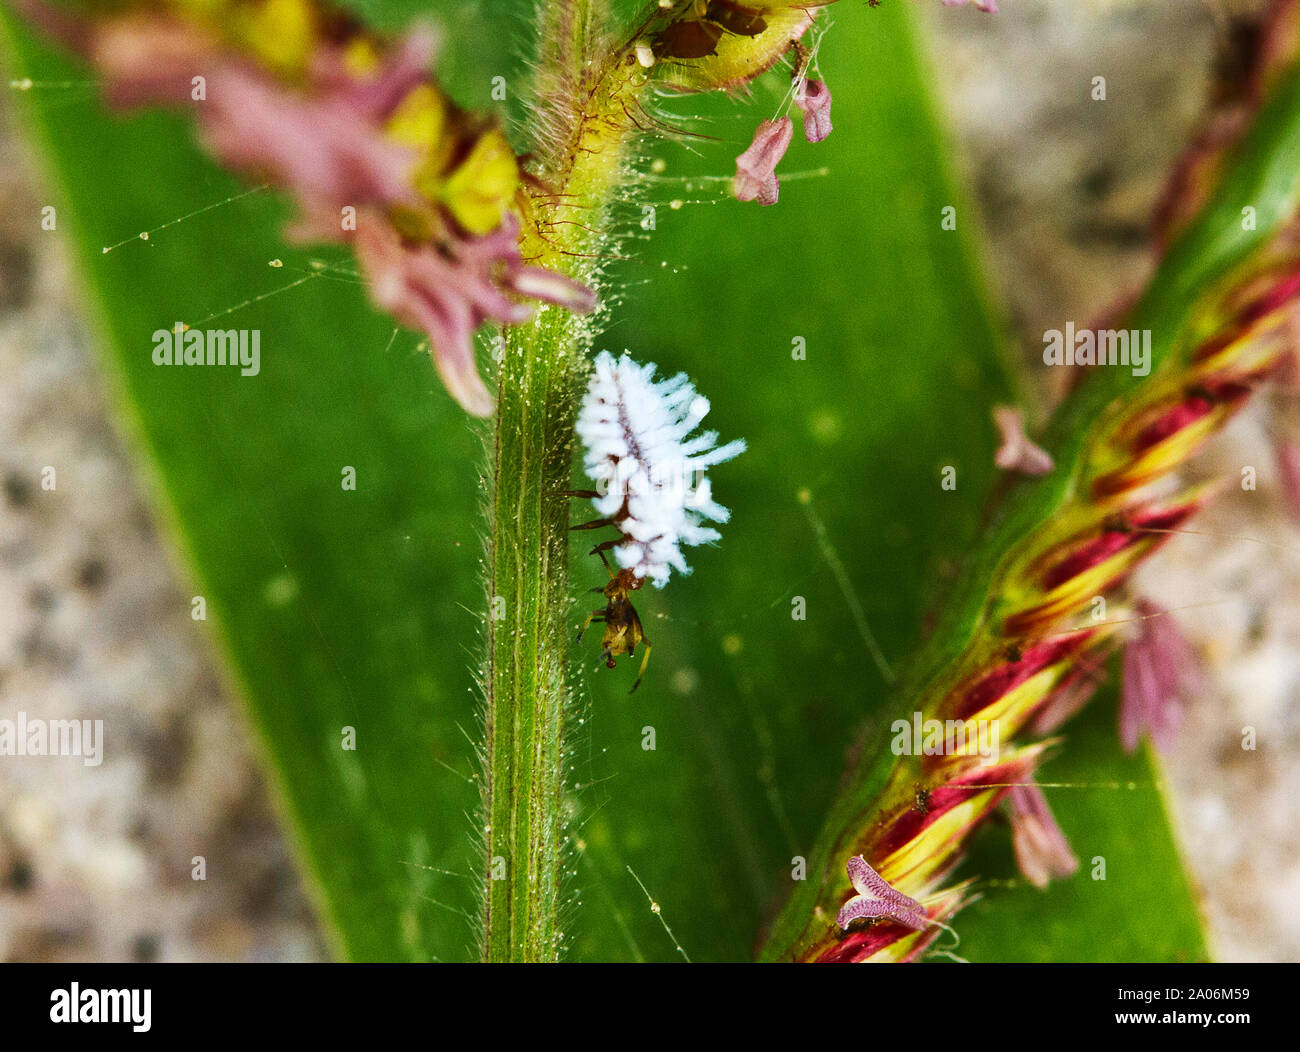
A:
x,y
583,110
527,630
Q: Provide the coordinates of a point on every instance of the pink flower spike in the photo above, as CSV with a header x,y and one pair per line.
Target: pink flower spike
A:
x,y
321,148
322,133
1288,465
538,283
813,98
1017,452
988,6
876,898
379,94
326,144
452,289
1159,667
756,168
424,289
1042,852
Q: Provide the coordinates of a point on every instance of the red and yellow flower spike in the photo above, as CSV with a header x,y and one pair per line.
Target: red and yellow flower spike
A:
x,y
1017,651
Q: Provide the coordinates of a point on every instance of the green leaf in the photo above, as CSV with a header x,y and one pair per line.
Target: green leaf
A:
x,y
362,608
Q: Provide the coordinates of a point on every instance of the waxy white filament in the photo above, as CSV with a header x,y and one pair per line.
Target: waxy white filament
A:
x,y
648,469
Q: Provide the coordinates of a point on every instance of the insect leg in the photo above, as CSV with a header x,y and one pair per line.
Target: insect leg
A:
x,y
595,615
585,494
644,661
599,550
594,524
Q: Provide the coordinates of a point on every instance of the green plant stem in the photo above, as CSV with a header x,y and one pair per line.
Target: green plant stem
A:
x,y
527,632
540,381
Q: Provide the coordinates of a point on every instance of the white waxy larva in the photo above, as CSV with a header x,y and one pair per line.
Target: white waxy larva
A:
x,y
648,468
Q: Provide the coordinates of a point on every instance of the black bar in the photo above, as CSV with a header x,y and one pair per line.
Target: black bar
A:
x,y
949,1004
